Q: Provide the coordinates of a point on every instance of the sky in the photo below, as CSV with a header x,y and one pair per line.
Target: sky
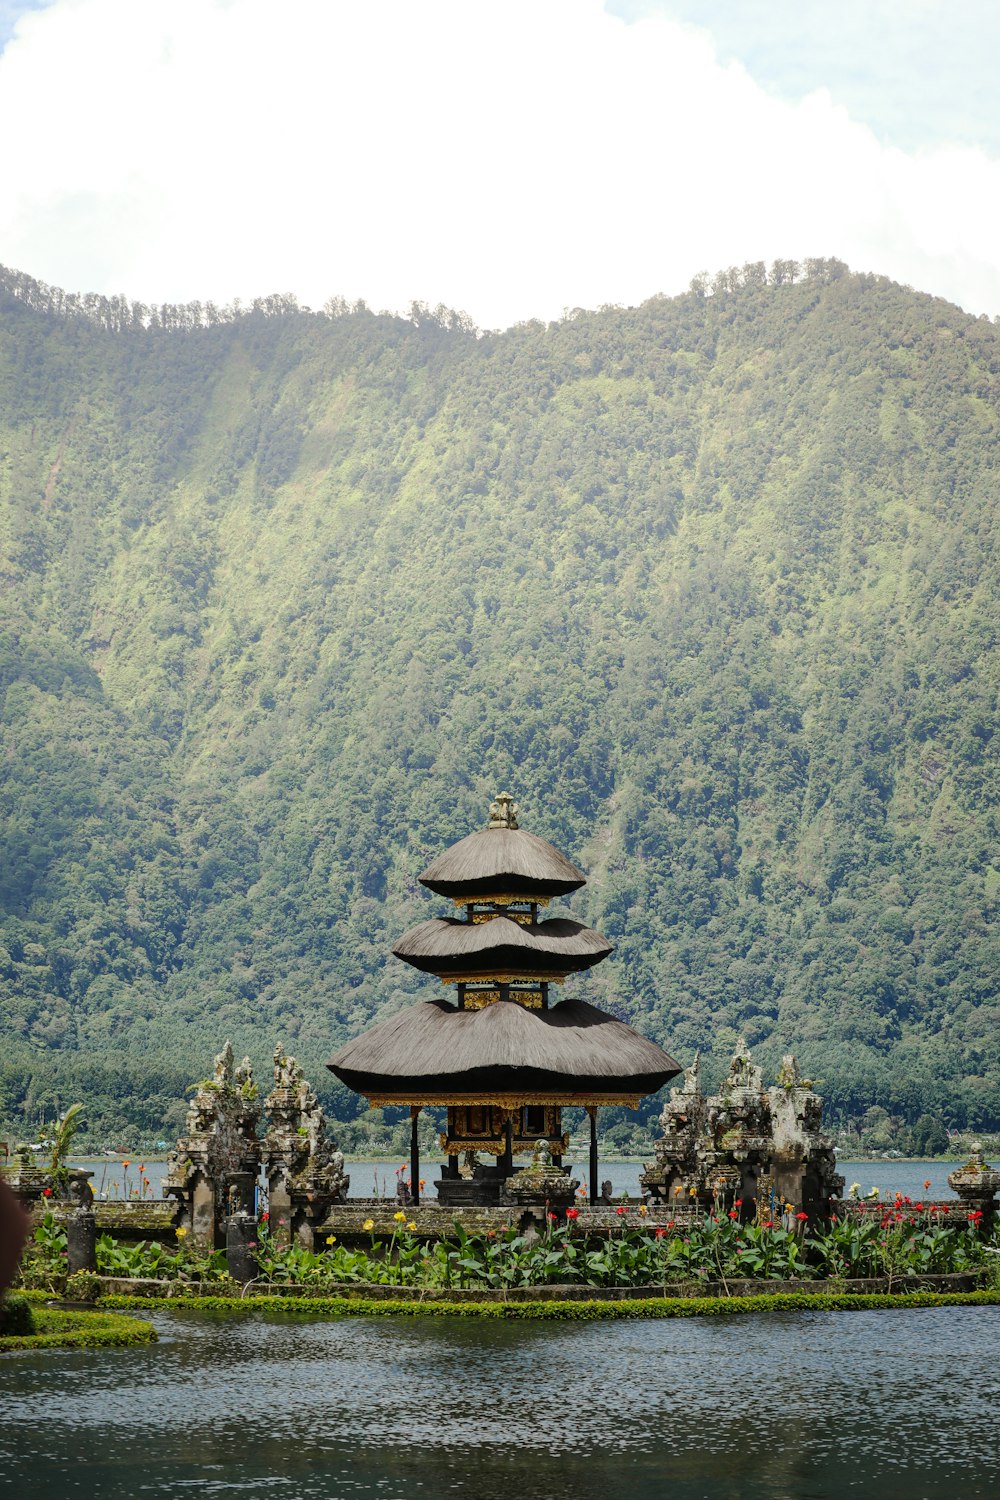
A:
x,y
509,158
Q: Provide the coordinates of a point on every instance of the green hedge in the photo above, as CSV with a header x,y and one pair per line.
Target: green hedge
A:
x,y
16,1316
654,1307
58,1328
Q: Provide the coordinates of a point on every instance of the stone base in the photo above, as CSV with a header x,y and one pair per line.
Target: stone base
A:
x,y
550,1190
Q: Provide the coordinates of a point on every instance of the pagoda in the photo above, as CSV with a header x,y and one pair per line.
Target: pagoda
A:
x,y
502,1058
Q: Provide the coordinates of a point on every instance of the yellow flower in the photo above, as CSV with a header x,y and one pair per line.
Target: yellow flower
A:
x,y
181,1232
412,1224
678,1190
399,1217
642,1208
331,1239
368,1224
692,1192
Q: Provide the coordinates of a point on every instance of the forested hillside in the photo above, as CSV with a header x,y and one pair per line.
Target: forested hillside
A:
x,y
708,584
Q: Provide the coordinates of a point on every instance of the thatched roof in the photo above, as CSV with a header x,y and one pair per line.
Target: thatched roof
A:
x,y
434,1049
445,946
502,862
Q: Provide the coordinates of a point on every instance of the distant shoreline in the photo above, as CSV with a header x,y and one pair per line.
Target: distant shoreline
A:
x,y
101,1158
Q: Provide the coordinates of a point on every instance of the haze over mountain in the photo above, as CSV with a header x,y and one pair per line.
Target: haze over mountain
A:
x,y
709,584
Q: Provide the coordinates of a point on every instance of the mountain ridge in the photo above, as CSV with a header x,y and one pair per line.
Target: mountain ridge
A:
x,y
708,583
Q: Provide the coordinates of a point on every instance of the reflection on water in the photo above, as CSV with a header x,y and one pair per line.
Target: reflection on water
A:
x,y
893,1405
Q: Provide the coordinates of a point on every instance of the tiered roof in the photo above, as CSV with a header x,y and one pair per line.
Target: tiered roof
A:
x,y
502,860
532,950
514,1045
435,1053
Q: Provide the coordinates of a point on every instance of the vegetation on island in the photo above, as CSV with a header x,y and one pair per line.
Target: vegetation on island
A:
x,y
564,1310
31,1325
709,583
890,1242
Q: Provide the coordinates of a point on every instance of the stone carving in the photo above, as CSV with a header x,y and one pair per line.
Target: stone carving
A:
x,y
683,1125
541,1156
305,1171
503,811
32,1182
761,1146
977,1184
541,1187
803,1164
213,1169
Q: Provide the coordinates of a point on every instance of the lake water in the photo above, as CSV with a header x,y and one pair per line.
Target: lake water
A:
x,y
896,1405
375,1179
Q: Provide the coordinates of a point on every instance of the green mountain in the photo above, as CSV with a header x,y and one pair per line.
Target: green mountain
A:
x,y
285,597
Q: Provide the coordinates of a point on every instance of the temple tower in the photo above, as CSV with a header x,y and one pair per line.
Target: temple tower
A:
x,y
502,1056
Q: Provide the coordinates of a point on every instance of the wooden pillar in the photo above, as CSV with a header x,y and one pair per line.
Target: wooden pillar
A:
x,y
508,1148
594,1185
414,1156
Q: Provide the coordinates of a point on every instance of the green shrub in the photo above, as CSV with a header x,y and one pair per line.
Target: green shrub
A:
x,y
83,1286
576,1311
16,1316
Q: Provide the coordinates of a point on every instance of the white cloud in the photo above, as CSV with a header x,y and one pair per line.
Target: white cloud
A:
x,y
510,158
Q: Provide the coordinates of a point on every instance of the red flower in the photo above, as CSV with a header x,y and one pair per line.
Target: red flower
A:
x,y
802,1218
733,1214
46,1192
265,1216
975,1216
660,1232
622,1210
927,1185
572,1213
553,1218
671,1223
738,1203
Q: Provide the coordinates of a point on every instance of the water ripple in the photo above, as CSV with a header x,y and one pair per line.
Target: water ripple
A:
x,y
807,1404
